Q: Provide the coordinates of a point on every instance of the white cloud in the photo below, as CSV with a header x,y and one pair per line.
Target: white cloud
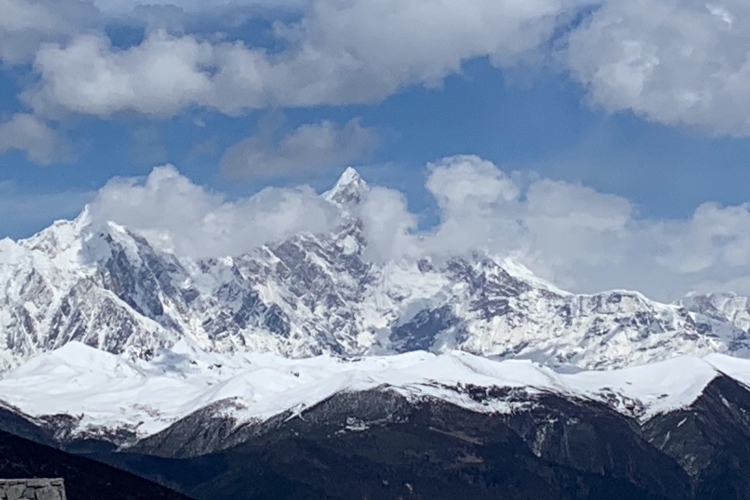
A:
x,y
718,237
672,61
41,144
470,192
189,220
576,237
575,225
421,41
469,185
88,76
565,232
388,226
309,147
339,53
24,25
555,226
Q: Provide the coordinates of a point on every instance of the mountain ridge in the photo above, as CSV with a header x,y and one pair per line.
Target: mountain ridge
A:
x,y
111,288
83,393
466,430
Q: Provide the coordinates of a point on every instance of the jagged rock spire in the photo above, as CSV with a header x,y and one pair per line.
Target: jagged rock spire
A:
x,y
348,190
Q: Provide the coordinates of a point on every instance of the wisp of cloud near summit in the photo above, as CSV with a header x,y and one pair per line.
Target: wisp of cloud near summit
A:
x,y
325,65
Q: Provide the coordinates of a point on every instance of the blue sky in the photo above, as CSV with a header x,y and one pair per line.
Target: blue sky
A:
x,y
643,100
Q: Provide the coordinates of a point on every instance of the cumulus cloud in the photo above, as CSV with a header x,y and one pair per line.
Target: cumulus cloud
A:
x,y
572,235
469,192
397,42
88,76
307,148
717,238
42,144
554,227
388,226
672,61
187,219
339,53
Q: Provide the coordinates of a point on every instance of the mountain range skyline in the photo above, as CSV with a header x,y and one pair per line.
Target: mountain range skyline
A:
x,y
127,292
595,245
582,109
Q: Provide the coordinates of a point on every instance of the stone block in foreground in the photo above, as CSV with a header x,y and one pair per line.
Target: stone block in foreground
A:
x,y
32,489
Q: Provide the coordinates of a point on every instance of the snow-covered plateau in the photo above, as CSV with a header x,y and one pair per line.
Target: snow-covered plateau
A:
x,y
107,393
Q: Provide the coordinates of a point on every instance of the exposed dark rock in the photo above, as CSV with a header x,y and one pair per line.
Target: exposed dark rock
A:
x,y
710,439
369,444
85,479
545,446
379,445
421,331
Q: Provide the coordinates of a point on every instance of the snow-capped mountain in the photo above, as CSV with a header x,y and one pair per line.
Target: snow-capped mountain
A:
x,y
110,288
205,422
114,399
113,347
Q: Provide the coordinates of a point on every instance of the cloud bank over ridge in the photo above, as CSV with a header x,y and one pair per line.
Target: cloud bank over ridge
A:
x,y
187,219
572,235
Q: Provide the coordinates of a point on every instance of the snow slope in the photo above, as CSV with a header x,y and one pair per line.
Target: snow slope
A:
x,y
108,393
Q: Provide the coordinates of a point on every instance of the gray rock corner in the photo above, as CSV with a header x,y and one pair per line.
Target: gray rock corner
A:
x,y
33,489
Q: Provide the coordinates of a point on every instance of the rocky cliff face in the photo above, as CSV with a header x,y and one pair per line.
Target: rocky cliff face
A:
x,y
110,288
378,444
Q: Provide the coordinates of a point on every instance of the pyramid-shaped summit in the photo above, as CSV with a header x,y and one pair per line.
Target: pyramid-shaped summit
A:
x,y
348,190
